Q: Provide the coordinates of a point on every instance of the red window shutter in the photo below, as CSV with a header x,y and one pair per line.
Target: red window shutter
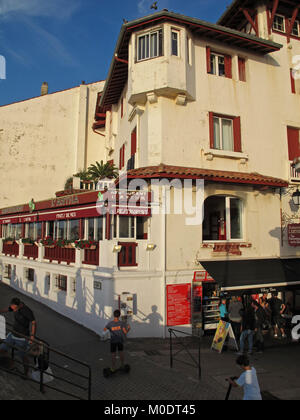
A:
x,y
293,143
123,156
133,142
242,69
208,62
228,66
120,159
293,85
237,134
211,130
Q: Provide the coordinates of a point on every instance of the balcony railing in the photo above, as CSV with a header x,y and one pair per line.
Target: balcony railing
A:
x,y
293,173
60,254
31,251
11,249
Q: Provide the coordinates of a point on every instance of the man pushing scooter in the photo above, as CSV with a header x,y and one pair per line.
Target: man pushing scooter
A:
x,y
118,331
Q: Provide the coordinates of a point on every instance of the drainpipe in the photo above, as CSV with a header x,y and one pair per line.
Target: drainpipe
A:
x,y
164,255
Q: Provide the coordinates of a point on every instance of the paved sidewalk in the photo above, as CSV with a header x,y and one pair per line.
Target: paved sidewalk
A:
x,y
151,377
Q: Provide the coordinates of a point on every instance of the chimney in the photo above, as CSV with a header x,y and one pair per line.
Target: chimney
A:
x,y
44,89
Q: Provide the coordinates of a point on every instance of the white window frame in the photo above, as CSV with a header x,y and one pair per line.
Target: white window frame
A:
x,y
274,23
86,228
150,53
296,23
215,65
221,119
133,238
177,32
228,221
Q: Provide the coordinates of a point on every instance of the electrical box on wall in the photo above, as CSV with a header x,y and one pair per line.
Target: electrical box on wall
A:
x,y
127,305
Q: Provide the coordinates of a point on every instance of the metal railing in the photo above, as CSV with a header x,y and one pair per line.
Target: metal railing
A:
x,y
74,381
184,346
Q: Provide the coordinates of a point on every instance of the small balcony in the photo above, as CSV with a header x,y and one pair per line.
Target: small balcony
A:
x,y
91,256
294,175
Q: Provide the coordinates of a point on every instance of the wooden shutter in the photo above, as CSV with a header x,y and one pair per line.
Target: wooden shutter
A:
x,y
208,62
211,130
237,134
293,85
242,69
133,142
228,66
293,143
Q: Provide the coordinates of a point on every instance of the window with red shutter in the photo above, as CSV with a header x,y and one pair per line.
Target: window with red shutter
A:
x,y
225,132
293,84
293,143
133,142
242,69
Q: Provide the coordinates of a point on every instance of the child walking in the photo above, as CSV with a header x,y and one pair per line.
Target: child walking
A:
x,y
248,380
118,331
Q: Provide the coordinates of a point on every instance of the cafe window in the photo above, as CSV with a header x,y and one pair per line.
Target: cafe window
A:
x,y
61,282
222,219
126,227
74,230
61,229
50,229
30,231
94,228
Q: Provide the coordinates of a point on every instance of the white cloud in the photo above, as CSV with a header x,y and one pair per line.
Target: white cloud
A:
x,y
142,6
51,8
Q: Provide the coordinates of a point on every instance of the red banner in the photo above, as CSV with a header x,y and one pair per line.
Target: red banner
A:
x,y
178,304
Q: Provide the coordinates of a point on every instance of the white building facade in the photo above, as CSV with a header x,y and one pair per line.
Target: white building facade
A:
x,y
203,122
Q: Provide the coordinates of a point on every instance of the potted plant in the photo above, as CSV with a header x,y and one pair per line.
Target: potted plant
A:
x,y
48,242
9,241
27,241
86,244
64,243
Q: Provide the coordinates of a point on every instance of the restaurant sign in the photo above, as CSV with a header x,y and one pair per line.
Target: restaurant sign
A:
x,y
294,234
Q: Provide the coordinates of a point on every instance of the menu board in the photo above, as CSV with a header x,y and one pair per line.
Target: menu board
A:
x,y
294,234
178,304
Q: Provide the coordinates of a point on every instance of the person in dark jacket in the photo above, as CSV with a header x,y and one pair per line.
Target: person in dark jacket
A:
x,y
248,328
260,319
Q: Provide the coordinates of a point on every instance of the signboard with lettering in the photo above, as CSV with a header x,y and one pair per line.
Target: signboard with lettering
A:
x,y
178,304
202,276
294,234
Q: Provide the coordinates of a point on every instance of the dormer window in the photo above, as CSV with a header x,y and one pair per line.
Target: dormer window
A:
x,y
279,23
149,45
295,30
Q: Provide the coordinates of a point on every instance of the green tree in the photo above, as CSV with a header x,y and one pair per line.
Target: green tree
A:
x,y
102,170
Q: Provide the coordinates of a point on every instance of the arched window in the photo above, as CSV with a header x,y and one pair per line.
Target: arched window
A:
x,y
222,218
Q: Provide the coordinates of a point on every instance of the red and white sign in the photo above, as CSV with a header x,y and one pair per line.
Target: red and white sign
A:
x,y
29,218
178,304
294,234
202,276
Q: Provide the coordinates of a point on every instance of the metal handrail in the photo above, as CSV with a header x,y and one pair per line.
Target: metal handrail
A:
x,y
46,348
197,363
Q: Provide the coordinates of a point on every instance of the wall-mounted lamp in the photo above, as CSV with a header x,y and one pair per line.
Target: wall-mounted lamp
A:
x,y
296,197
117,248
151,247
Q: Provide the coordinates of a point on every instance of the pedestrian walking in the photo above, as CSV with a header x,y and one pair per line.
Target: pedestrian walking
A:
x,y
118,331
235,310
277,308
260,319
23,333
247,331
248,380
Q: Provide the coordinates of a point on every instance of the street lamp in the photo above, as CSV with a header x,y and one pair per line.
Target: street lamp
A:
x,y
296,197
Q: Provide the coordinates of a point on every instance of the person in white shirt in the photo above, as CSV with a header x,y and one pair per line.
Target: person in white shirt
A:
x,y
248,380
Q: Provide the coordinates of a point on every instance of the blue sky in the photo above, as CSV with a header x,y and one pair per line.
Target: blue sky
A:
x,y
65,42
